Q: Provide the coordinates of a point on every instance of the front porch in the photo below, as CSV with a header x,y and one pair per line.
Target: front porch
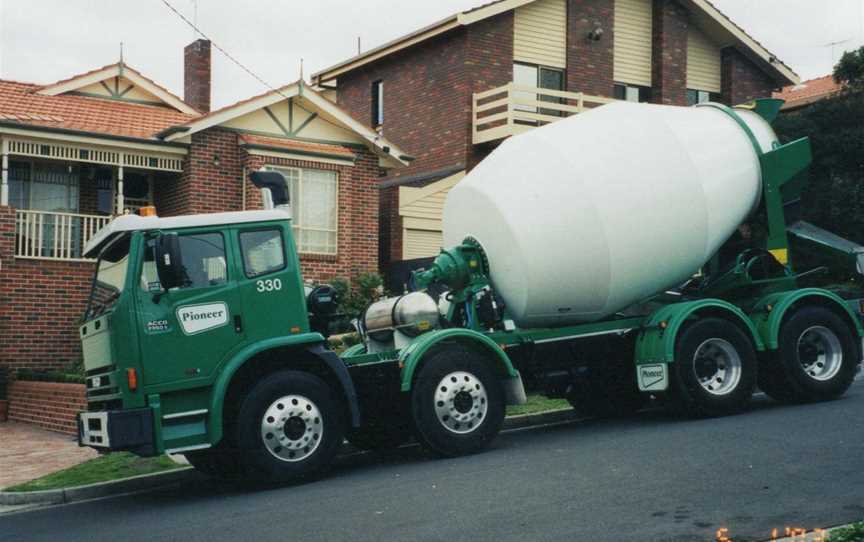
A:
x,y
64,193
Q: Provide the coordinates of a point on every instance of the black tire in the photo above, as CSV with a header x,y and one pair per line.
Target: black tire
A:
x,y
783,376
483,416
380,436
610,391
688,396
259,460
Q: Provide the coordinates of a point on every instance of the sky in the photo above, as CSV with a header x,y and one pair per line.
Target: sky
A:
x,y
42,41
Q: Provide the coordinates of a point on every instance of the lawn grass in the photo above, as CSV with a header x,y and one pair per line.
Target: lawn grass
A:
x,y
852,533
537,403
102,469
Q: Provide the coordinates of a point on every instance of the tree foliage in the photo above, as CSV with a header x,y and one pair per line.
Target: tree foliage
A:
x,y
850,70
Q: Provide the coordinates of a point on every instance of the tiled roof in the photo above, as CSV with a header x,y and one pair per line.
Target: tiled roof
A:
x,y
809,92
20,102
295,145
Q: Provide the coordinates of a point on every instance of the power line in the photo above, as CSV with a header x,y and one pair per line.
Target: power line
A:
x,y
223,51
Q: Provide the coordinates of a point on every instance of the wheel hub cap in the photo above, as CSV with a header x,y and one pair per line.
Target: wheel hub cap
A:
x,y
461,402
717,366
820,353
291,428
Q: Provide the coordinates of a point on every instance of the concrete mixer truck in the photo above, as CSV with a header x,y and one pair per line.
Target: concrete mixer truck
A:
x,y
583,260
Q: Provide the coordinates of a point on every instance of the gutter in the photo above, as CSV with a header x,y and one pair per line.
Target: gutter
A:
x,y
84,133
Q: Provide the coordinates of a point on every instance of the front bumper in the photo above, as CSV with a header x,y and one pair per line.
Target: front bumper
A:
x,y
118,430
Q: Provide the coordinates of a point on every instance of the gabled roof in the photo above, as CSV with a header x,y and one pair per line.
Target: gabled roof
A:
x,y
299,91
111,71
732,34
808,92
24,104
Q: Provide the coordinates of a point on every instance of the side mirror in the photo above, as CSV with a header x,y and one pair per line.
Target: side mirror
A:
x,y
169,261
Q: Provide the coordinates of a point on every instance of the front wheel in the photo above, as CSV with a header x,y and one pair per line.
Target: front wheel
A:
x,y
714,371
817,358
457,403
290,426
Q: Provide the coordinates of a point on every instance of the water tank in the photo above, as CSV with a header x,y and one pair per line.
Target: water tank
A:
x,y
583,217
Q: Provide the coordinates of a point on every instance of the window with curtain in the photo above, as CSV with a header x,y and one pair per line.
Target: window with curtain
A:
x,y
314,204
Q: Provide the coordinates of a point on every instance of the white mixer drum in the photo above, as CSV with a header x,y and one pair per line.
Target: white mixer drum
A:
x,y
583,217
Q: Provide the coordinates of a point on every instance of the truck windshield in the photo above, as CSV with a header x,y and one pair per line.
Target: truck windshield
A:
x,y
110,277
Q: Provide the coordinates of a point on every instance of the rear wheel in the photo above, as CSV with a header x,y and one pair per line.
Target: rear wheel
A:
x,y
714,372
290,426
816,360
457,402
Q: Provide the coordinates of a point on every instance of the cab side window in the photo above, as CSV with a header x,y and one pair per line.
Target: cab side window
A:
x,y
203,260
263,252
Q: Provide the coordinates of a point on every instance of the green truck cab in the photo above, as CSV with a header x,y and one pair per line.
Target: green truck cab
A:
x,y
184,316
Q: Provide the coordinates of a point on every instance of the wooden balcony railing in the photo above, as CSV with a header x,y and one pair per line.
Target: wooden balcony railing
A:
x,y
511,109
54,236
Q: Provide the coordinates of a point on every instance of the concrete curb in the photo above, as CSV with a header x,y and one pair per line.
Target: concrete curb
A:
x,y
541,418
162,479
93,491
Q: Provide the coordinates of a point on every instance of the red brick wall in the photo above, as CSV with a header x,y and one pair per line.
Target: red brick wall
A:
x,y
357,237
590,63
742,80
204,186
669,50
40,302
488,65
49,405
196,75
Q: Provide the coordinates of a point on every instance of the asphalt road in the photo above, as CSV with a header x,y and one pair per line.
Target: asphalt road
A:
x,y
648,479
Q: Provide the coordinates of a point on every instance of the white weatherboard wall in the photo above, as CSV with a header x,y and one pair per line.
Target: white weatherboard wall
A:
x,y
632,42
703,62
421,210
540,33
583,217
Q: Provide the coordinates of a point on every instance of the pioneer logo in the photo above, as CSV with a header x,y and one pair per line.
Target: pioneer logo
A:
x,y
653,378
200,318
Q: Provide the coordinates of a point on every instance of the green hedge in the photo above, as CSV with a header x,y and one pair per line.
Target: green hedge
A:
x,y
71,374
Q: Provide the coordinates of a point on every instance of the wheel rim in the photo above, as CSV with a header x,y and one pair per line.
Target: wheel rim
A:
x,y
820,353
717,366
461,402
291,428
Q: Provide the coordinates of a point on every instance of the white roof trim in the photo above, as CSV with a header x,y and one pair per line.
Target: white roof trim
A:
x,y
746,40
119,70
93,140
299,89
127,223
479,14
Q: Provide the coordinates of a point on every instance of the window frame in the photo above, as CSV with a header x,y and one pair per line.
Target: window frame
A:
x,y
225,249
644,92
276,229
297,239
711,96
377,103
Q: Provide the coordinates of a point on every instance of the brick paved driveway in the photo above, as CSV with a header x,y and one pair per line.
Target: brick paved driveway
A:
x,y
27,452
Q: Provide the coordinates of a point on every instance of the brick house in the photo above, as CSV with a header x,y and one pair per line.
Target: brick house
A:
x,y
452,91
79,151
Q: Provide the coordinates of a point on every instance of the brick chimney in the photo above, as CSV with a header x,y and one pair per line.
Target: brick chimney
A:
x,y
196,75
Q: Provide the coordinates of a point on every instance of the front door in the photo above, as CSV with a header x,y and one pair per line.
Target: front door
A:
x,y
190,329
